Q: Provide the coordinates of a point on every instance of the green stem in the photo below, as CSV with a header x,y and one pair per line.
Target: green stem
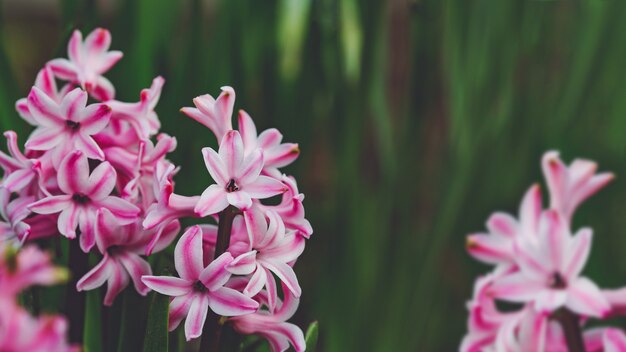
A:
x,y
212,330
74,300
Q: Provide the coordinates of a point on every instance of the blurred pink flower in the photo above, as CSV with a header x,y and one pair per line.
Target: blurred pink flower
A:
x,y
87,62
237,179
549,269
67,126
199,287
85,193
216,114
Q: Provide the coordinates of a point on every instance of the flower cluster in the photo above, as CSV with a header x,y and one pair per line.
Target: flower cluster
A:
x,y
19,331
538,263
94,170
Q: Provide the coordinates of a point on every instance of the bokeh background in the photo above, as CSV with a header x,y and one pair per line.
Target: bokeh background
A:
x,y
416,119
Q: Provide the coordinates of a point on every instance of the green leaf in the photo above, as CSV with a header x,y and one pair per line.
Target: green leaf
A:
x,y
93,322
312,333
156,329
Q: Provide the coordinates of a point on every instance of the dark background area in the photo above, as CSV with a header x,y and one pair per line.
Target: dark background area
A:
x,y
416,120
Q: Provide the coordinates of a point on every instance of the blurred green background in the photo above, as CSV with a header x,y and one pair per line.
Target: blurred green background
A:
x,y
416,120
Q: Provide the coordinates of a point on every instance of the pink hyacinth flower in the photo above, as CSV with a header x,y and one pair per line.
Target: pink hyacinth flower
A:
x,y
571,185
199,287
291,209
66,126
270,250
497,246
84,194
122,247
275,153
19,171
141,115
14,212
19,331
87,62
549,271
216,114
46,82
238,179
273,325
29,266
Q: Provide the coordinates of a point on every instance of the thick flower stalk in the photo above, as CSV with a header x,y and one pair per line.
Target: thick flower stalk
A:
x,y
538,263
94,172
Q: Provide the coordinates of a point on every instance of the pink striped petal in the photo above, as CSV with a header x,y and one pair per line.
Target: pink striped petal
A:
x,y
286,274
21,106
577,252
256,225
97,42
87,231
196,316
288,250
614,340
18,179
63,69
197,115
101,181
265,187
96,276
68,221
167,285
251,168
44,110
555,173
102,89
244,264
502,224
108,60
215,166
51,205
515,288
73,173
231,152
94,118
73,104
88,145
530,211
272,290
179,308
256,283
117,283
490,249
228,302
239,199
124,211
43,138
281,155
584,297
75,47
188,254
549,300
293,334
247,129
215,274
269,138
136,268
212,201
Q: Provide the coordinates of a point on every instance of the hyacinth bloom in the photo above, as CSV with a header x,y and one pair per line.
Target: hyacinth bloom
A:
x,y
66,126
199,287
497,246
19,171
46,83
269,250
121,247
571,185
19,331
216,114
84,194
141,115
549,271
273,325
291,209
275,153
87,62
238,179
29,266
